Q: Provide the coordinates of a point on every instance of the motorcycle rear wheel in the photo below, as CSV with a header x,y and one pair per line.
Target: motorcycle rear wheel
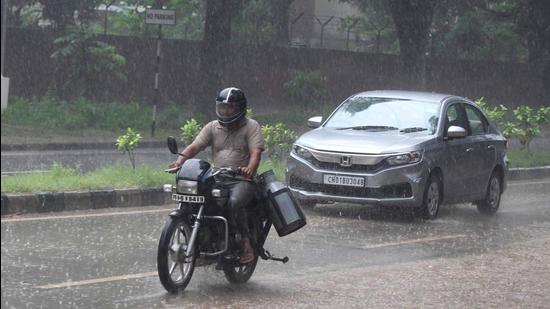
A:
x,y
174,269
241,273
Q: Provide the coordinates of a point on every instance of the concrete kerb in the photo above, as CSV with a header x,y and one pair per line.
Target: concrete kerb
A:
x,y
24,203
41,202
521,173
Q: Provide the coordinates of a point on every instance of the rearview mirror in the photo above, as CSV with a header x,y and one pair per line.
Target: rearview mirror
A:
x,y
315,122
456,132
172,144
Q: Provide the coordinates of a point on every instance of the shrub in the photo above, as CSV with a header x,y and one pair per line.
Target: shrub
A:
x,y
528,123
278,140
525,124
190,130
128,143
306,88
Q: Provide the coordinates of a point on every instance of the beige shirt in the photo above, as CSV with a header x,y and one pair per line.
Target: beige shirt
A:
x,y
231,147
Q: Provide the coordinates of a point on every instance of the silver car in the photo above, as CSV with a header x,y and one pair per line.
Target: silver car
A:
x,y
401,148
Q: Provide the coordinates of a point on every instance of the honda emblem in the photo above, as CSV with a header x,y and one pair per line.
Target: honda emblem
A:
x,y
345,161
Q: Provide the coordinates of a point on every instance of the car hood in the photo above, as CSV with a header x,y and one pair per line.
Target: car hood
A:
x,y
365,142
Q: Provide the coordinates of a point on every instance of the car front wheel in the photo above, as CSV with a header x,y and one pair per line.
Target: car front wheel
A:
x,y
432,198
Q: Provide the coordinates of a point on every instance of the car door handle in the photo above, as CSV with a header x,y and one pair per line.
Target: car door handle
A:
x,y
491,147
469,149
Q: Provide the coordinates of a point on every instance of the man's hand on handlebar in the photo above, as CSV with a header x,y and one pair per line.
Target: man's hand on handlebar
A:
x,y
246,172
173,167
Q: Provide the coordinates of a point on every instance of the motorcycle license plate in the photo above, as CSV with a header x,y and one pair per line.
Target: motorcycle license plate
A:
x,y
188,198
344,180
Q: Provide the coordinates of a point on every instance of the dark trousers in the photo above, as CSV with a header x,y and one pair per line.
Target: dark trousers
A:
x,y
241,194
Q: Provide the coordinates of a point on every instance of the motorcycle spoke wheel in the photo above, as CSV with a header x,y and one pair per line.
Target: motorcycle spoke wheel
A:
x,y
174,266
240,274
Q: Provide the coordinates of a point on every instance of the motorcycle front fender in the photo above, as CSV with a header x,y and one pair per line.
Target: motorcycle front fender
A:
x,y
176,213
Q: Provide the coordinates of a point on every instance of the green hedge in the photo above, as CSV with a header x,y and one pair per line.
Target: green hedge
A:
x,y
82,113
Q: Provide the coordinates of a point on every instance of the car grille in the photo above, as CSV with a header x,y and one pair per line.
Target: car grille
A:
x,y
354,168
401,190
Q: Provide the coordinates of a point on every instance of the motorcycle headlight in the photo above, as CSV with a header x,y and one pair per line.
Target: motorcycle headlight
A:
x,y
301,152
187,187
405,158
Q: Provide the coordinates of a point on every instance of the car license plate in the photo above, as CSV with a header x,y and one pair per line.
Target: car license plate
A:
x,y
188,198
344,180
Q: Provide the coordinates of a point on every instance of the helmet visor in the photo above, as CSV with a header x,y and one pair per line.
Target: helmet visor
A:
x,y
227,109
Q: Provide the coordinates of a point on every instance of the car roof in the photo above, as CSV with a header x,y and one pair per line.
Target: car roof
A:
x,y
412,95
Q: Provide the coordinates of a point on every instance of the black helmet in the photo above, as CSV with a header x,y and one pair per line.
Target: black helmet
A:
x,y
230,106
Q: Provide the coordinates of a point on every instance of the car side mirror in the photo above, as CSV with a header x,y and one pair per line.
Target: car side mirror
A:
x,y
456,132
314,122
172,144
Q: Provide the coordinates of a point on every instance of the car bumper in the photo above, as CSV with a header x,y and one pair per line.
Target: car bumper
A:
x,y
395,186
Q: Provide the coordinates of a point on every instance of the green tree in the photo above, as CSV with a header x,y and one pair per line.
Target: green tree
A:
x,y
89,63
412,20
65,13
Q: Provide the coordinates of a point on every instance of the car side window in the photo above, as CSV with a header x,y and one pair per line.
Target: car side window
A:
x,y
454,117
478,124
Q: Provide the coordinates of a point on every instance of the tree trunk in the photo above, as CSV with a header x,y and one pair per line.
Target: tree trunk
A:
x,y
215,50
534,24
281,12
412,19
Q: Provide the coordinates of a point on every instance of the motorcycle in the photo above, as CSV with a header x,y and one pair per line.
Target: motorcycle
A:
x,y
200,231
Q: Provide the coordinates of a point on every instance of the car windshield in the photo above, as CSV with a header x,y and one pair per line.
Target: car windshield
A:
x,y
384,114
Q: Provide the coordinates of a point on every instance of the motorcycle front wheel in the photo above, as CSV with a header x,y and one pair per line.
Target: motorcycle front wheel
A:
x,y
174,268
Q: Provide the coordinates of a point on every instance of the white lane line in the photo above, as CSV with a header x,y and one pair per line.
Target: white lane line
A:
x,y
412,241
69,284
107,214
527,183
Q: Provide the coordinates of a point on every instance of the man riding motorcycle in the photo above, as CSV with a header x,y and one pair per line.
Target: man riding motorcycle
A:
x,y
235,141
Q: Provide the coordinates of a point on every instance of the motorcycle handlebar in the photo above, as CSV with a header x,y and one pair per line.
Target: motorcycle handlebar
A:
x,y
230,171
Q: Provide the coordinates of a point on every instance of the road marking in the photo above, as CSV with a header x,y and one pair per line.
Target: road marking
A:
x,y
412,241
107,214
69,284
527,183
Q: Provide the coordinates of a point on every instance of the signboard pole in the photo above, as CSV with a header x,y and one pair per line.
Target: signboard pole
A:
x,y
157,76
158,16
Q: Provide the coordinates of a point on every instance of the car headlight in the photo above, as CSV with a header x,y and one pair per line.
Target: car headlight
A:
x,y
301,152
187,186
405,158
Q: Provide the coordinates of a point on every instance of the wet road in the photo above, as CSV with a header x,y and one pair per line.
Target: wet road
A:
x,y
347,256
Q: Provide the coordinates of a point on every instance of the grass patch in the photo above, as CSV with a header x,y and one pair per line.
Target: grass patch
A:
x,y
82,113
523,158
118,177
65,179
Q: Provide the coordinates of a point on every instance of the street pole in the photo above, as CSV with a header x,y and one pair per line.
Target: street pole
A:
x,y
4,26
157,76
